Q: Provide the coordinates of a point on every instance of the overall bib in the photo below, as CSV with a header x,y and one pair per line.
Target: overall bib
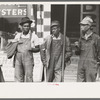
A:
x,y
54,68
24,61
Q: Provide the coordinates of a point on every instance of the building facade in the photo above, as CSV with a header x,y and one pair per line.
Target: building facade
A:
x,y
42,15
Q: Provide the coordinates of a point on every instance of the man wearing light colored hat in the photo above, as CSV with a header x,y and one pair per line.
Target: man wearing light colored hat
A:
x,y
87,21
53,48
28,43
87,48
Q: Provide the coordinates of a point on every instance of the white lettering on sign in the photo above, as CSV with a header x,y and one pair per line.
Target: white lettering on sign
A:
x,y
12,12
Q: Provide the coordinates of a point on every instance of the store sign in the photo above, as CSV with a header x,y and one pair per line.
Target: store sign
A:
x,y
93,12
13,10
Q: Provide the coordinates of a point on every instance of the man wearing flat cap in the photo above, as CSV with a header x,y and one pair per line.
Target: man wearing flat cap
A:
x,y
53,49
27,44
88,49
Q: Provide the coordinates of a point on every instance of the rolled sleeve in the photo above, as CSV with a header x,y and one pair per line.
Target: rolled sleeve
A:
x,y
34,40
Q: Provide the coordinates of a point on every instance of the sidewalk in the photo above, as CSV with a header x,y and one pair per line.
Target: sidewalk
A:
x,y
8,70
70,73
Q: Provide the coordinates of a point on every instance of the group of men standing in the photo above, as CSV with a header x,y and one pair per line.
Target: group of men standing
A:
x,y
51,51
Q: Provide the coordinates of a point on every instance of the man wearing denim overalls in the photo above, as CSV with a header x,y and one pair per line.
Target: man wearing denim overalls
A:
x,y
87,48
53,47
28,43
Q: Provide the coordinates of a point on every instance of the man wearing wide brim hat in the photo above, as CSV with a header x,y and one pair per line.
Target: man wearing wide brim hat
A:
x,y
52,58
25,20
87,48
28,43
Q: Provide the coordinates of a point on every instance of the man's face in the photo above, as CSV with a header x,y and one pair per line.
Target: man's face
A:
x,y
55,30
84,27
26,27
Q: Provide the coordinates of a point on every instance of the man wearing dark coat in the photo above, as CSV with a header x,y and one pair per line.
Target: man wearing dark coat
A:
x,y
53,50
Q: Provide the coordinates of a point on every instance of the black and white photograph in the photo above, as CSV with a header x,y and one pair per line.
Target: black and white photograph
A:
x,y
51,44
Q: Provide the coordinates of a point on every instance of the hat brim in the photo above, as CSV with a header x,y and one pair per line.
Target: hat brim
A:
x,y
55,25
26,22
84,24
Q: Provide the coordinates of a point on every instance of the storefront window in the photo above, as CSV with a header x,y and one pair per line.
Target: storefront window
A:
x,y
10,16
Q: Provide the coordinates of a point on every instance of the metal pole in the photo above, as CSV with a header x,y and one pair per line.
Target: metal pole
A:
x,y
63,58
1,40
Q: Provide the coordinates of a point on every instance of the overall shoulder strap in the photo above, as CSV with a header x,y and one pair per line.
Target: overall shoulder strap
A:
x,y
20,35
30,35
62,39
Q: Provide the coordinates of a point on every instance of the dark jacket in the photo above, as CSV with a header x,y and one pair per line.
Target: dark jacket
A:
x,y
45,49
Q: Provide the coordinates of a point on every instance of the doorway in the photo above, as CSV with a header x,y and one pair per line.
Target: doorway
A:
x,y
73,19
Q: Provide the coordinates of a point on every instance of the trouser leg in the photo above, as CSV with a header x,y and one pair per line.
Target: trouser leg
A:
x,y
19,73
91,74
91,70
49,75
50,70
57,76
29,73
1,76
81,74
57,70
19,69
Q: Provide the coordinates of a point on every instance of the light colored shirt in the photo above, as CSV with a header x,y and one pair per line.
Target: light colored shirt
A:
x,y
59,37
88,35
34,38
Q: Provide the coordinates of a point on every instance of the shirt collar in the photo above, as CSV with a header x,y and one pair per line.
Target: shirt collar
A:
x,y
27,36
86,37
59,37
